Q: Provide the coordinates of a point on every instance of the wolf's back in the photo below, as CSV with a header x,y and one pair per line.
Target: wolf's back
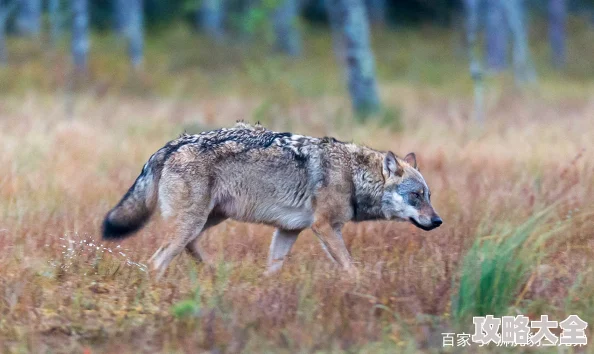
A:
x,y
139,203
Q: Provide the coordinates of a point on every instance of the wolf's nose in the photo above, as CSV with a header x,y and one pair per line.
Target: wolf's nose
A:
x,y
436,221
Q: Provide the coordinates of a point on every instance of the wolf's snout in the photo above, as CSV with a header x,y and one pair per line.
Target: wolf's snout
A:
x,y
436,221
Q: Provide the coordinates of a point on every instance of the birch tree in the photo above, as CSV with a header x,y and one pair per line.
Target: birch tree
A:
x,y
135,32
557,20
497,36
472,9
28,18
210,18
129,24
121,16
56,19
350,28
284,20
80,34
524,72
6,9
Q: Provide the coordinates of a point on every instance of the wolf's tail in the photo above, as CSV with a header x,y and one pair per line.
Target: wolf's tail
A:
x,y
138,204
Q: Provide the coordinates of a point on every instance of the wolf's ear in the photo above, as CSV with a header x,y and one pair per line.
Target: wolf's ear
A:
x,y
391,165
411,159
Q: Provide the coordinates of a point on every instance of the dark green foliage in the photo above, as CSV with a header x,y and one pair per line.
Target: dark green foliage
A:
x,y
414,12
159,13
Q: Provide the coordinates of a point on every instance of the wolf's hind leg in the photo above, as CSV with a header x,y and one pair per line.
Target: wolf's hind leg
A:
x,y
193,248
281,244
188,225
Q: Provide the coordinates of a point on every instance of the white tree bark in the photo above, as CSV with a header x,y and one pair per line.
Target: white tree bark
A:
x,y
284,18
211,18
5,11
28,19
80,34
472,8
349,23
54,9
135,32
497,36
121,16
524,72
557,20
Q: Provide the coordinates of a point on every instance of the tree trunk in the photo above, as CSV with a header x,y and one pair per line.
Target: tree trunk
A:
x,y
351,35
28,20
5,11
557,19
211,18
121,12
376,10
472,8
55,18
523,70
80,35
285,17
135,32
497,34
3,55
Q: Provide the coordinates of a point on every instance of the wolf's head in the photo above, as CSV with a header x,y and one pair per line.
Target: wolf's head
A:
x,y
406,195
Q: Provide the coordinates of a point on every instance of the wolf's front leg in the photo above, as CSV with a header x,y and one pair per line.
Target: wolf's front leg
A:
x,y
332,242
281,244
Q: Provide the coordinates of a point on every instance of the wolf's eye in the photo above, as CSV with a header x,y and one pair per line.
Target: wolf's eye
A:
x,y
415,195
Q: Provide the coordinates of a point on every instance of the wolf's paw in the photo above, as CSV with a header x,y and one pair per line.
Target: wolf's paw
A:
x,y
274,267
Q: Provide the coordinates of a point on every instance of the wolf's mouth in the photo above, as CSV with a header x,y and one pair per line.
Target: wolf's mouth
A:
x,y
426,228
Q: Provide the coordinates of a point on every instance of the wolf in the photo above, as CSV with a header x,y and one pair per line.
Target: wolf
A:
x,y
292,182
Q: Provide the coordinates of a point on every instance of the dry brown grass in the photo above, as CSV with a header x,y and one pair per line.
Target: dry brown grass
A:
x,y
59,177
62,168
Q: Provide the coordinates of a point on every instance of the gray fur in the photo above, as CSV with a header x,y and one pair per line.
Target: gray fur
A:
x,y
292,182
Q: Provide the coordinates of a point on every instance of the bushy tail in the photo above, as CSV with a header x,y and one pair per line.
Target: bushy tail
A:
x,y
138,204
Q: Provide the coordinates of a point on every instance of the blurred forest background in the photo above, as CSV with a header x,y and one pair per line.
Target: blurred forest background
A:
x,y
494,35
495,97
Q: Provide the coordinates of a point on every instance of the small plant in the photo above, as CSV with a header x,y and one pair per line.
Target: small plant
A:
x,y
194,307
188,307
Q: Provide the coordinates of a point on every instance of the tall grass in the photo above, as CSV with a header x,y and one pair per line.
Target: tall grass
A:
x,y
496,269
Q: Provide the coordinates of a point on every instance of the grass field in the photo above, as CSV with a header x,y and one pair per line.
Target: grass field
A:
x,y
516,196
